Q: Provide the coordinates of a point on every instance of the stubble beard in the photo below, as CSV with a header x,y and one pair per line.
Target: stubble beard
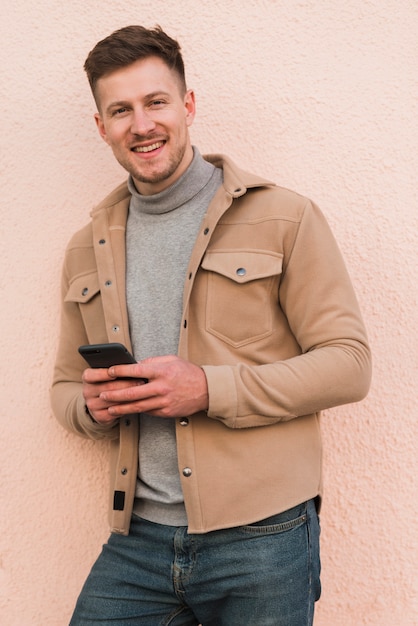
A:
x,y
157,176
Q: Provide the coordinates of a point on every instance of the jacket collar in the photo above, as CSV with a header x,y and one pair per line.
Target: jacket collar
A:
x,y
236,183
236,180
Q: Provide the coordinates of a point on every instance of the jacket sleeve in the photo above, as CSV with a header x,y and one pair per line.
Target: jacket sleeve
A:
x,y
66,392
334,364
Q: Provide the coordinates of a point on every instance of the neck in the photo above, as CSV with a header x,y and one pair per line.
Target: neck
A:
x,y
187,186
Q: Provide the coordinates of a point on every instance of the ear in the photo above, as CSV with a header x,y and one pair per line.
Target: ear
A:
x,y
190,106
101,127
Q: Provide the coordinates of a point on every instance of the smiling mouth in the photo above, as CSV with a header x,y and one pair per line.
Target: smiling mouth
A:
x,y
153,146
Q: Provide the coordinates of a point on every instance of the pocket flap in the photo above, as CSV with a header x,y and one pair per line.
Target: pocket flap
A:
x,y
83,288
243,266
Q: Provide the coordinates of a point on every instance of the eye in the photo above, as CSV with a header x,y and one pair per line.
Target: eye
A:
x,y
156,104
119,111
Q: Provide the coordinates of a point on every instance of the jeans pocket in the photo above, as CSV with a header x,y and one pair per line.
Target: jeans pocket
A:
x,y
282,522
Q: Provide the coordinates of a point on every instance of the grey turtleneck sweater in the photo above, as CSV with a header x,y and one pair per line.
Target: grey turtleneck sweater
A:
x,y
161,232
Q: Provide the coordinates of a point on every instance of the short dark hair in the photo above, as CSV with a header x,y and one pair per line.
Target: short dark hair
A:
x,y
129,44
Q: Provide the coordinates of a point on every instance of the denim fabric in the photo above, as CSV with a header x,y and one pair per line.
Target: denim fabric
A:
x,y
265,574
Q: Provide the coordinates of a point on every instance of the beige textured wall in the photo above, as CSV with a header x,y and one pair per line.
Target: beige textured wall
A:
x,y
319,95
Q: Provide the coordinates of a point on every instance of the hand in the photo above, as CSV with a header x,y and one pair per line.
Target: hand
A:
x,y
97,381
175,388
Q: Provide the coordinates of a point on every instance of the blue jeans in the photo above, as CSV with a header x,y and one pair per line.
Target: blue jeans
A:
x,y
258,575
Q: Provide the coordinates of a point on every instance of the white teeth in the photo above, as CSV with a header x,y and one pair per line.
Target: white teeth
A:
x,y
153,146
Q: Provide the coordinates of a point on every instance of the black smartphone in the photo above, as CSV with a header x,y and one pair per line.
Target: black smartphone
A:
x,y
106,354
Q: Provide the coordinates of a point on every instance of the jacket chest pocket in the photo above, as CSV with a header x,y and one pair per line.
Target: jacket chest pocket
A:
x,y
84,293
242,289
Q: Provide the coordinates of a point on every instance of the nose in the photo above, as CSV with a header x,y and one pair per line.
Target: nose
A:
x,y
142,124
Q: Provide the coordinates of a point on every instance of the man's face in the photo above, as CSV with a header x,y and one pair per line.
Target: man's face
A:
x,y
144,117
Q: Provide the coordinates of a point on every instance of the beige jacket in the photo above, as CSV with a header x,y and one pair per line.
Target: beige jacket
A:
x,y
270,315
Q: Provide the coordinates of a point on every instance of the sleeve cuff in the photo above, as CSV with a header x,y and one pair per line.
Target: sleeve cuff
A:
x,y
222,392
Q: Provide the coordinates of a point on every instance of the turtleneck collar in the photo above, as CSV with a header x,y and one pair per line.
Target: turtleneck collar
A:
x,y
183,190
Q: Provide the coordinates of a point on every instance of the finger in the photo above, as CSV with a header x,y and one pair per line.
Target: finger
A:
x,y
151,406
131,391
134,370
98,410
146,369
96,375
102,417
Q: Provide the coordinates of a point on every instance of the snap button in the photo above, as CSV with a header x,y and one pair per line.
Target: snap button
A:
x,y
187,472
184,421
123,471
205,232
102,242
241,271
85,291
115,328
108,283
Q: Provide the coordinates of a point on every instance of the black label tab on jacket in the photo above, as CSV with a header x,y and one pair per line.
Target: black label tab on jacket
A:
x,y
118,500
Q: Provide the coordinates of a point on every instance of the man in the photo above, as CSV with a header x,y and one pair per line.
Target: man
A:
x,y
234,299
